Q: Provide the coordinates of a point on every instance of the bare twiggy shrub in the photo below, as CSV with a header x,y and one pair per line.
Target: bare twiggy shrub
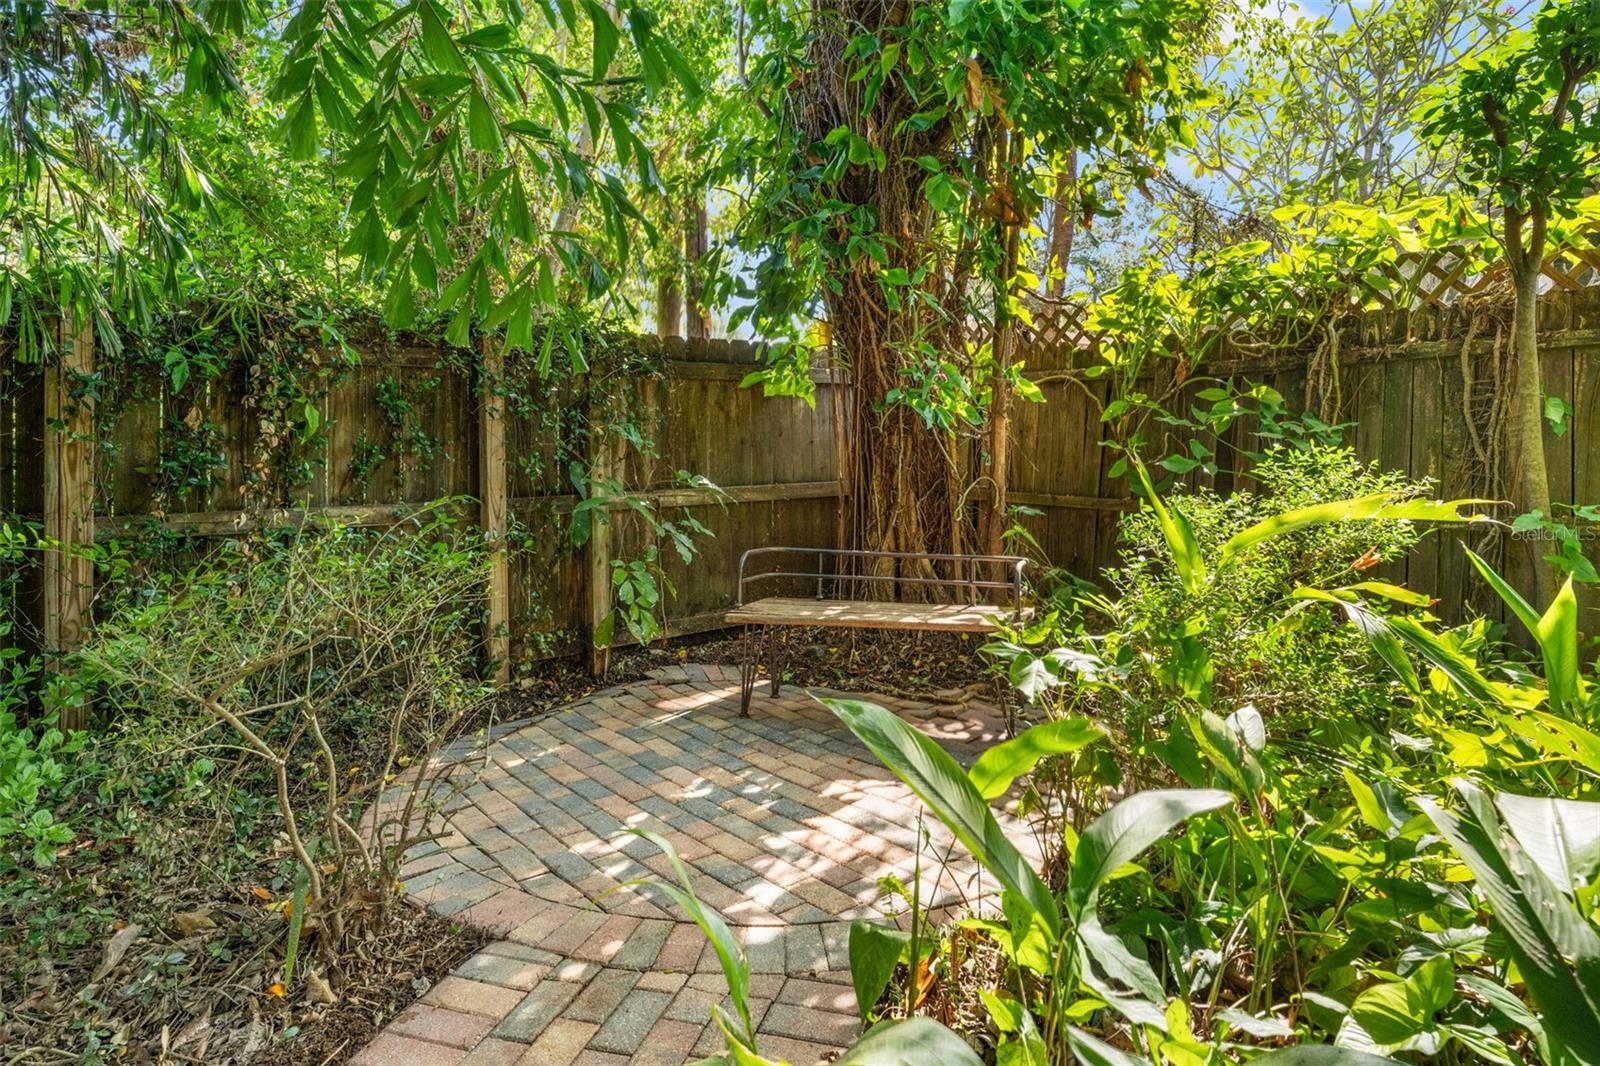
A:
x,y
334,660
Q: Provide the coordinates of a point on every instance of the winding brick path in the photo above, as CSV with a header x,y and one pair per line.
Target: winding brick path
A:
x,y
787,825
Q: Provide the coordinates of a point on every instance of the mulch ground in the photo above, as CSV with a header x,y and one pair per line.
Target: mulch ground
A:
x,y
941,666
182,971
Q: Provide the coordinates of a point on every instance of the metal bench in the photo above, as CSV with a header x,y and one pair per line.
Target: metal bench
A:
x,y
763,617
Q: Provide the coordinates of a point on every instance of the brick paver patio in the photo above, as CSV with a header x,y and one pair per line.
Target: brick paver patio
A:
x,y
787,824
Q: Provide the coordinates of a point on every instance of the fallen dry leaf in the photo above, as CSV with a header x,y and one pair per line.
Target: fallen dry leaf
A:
x,y
116,947
319,990
191,922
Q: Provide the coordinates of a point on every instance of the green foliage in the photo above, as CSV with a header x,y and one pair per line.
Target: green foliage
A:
x,y
1321,886
35,756
926,131
875,951
1555,945
1518,117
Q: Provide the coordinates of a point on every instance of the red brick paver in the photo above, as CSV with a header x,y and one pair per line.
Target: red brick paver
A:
x,y
786,824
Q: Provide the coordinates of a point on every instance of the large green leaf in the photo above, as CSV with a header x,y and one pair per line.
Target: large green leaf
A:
x,y
1555,948
1379,507
1179,534
1373,626
944,787
1002,764
1096,1052
874,952
1513,599
909,1042
1392,1012
1558,642
1322,1055
1561,835
1119,835
1461,671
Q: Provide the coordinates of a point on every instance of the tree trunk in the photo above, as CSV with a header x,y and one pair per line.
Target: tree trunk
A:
x,y
898,472
669,307
1063,227
695,242
993,525
1528,475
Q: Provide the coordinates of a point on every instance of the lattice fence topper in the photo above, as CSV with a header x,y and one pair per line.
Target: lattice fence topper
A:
x,y
1439,277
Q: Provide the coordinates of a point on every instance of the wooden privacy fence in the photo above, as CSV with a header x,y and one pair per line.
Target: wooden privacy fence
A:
x,y
1403,373
772,460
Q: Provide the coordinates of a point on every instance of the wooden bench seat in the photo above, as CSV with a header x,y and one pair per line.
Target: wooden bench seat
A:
x,y
902,571
872,614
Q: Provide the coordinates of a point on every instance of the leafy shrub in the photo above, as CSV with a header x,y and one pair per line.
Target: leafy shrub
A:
x,y
1162,640
33,752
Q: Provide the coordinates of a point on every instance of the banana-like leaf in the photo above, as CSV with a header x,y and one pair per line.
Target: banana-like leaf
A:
x,y
1179,534
909,1042
1513,599
1096,1052
1322,1055
1127,829
1127,969
1557,632
1379,507
1002,764
735,964
1373,626
1559,738
941,784
1461,671
1555,948
1561,835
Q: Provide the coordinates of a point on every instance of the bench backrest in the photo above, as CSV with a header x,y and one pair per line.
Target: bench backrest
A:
x,y
969,578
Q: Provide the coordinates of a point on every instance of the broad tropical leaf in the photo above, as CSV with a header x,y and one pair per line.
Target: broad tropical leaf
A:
x,y
939,782
1373,626
1322,1055
1180,536
1555,948
1513,599
1557,632
1002,764
1379,507
735,964
1096,1052
1122,833
1561,835
909,1042
874,952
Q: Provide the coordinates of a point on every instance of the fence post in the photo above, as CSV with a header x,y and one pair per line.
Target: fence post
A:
x,y
492,508
604,457
68,500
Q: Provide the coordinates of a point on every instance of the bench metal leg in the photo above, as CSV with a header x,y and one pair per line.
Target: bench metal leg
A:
x,y
777,651
747,670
